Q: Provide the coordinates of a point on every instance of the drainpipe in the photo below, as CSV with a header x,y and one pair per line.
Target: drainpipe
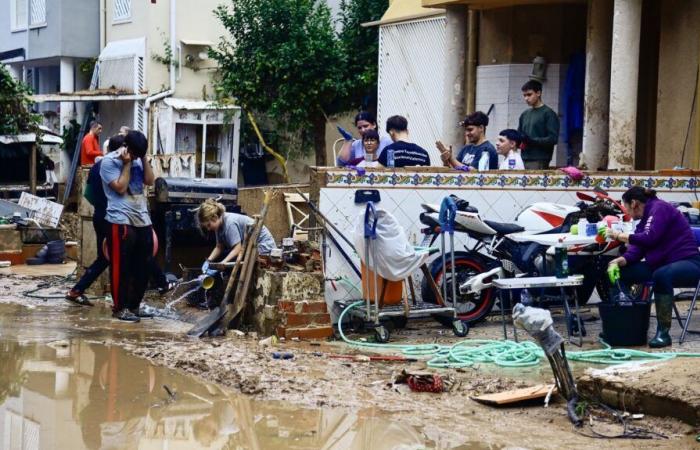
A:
x,y
171,90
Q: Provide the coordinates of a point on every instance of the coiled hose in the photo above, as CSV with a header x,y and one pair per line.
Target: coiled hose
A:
x,y
504,353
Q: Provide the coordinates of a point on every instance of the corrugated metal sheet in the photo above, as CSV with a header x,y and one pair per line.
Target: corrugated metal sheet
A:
x,y
411,67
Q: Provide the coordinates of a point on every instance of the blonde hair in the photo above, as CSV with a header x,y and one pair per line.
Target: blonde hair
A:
x,y
210,209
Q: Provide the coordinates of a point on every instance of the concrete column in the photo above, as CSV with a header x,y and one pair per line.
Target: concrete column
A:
x,y
597,90
453,84
67,84
624,71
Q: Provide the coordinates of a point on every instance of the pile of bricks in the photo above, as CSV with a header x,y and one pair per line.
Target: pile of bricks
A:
x,y
290,304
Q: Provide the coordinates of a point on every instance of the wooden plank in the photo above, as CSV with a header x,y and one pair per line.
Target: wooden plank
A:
x,y
516,395
32,170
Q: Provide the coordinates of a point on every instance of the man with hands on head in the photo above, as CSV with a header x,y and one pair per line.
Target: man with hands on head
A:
x,y
130,241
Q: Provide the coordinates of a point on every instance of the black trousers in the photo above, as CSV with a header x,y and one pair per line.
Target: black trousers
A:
x,y
130,249
102,229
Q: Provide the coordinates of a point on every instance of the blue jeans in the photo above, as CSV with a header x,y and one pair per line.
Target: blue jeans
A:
x,y
680,274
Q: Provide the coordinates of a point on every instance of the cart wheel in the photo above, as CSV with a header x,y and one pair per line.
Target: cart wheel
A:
x,y
381,334
460,328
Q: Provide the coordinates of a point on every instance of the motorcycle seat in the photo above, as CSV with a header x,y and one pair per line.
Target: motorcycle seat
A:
x,y
504,228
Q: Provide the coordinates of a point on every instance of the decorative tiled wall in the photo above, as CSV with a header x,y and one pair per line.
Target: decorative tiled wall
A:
x,y
499,196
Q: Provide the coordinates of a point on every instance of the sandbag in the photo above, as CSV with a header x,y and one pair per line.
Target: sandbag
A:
x,y
396,257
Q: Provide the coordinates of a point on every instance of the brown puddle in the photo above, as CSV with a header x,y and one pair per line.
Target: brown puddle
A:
x,y
61,389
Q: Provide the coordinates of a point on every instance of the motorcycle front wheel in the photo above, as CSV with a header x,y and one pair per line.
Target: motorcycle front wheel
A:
x,y
471,308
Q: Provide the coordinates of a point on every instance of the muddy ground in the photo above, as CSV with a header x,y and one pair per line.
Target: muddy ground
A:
x,y
313,378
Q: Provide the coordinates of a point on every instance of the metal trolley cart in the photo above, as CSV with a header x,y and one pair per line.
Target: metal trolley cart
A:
x,y
375,313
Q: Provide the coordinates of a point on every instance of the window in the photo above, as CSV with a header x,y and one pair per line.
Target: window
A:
x,y
122,10
18,14
37,13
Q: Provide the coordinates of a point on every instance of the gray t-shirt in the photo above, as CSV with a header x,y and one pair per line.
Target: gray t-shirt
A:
x,y
232,231
131,207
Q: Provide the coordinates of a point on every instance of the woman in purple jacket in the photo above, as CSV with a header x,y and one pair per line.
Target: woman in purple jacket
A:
x,y
663,249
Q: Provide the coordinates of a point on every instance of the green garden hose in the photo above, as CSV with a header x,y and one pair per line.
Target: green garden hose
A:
x,y
505,353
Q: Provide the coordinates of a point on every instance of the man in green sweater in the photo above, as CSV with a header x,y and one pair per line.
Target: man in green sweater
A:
x,y
539,127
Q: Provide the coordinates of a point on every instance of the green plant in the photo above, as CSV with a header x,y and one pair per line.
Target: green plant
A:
x,y
70,135
87,66
360,46
16,115
167,58
285,65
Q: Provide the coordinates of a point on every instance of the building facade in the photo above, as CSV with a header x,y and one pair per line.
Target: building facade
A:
x,y
633,64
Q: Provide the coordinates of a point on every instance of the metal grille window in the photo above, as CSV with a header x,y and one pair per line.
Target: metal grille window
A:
x,y
122,10
37,12
411,65
18,13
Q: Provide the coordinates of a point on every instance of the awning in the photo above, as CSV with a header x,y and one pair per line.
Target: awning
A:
x,y
185,104
48,137
197,43
124,48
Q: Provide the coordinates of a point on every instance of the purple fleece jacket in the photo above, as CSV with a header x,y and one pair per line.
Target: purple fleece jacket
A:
x,y
662,236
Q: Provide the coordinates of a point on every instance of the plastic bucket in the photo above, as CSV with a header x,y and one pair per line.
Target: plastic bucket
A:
x,y
625,324
393,290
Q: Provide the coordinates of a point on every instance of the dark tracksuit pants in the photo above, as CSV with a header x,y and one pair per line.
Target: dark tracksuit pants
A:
x,y
130,249
102,228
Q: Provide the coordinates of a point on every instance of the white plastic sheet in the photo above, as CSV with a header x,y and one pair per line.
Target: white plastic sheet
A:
x,y
396,259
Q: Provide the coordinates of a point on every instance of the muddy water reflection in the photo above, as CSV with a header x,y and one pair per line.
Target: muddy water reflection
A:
x,y
73,395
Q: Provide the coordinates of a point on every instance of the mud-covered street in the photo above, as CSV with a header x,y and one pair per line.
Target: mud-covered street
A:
x,y
141,385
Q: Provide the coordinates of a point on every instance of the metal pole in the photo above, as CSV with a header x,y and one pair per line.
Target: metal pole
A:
x,y
204,148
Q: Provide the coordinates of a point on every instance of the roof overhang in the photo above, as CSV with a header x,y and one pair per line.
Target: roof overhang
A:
x,y
404,11
490,4
29,137
98,95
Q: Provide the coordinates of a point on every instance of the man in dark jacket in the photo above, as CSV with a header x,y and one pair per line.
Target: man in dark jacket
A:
x,y
539,127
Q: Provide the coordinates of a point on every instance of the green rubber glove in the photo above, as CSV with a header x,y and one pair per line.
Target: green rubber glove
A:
x,y
602,231
614,273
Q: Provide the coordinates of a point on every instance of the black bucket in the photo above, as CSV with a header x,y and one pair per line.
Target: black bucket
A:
x,y
625,324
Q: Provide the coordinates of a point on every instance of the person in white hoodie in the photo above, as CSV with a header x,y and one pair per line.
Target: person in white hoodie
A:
x,y
507,145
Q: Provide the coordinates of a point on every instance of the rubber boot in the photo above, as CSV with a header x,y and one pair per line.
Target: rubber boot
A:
x,y
664,307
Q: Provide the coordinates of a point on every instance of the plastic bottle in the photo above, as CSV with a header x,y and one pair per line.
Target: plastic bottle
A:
x,y
526,298
390,158
561,261
582,224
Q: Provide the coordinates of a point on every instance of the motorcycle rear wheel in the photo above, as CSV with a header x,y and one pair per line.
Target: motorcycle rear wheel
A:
x,y
471,308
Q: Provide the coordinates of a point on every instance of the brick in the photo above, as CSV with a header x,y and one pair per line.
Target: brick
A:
x,y
302,320
308,307
312,333
15,258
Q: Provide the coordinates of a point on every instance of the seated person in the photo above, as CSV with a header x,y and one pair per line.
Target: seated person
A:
x,y
370,142
352,151
405,153
230,229
662,249
479,153
508,144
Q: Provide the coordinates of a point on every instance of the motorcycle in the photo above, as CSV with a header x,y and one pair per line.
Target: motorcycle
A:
x,y
491,253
